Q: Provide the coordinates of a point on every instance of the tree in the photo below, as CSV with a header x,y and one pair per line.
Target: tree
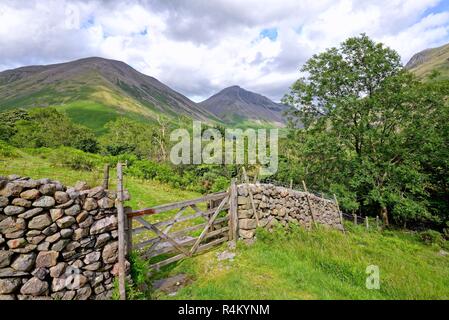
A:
x,y
362,111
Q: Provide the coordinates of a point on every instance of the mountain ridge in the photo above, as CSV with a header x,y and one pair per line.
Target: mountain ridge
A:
x,y
431,60
234,105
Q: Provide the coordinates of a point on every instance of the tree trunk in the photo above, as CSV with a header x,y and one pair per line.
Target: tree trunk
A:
x,y
384,215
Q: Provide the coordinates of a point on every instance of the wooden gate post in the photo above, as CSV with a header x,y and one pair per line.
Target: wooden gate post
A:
x,y
121,233
106,177
309,203
339,211
233,217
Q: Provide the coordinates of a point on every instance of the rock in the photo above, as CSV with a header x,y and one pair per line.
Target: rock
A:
x,y
11,189
242,200
10,272
66,233
24,262
106,203
44,246
247,224
13,210
56,214
40,273
36,239
73,210
81,185
72,246
52,229
106,224
102,239
6,297
58,284
60,245
65,222
83,293
97,193
109,253
92,257
73,194
26,249
90,204
21,202
225,255
80,233
58,270
65,205
34,287
61,197
5,258
46,259
53,238
44,202
30,213
40,222
82,216
86,223
15,235
69,295
3,201
9,285
93,266
16,243
48,189
246,234
32,194
9,225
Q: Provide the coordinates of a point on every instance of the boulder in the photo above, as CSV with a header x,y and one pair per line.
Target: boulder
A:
x,y
40,222
44,202
46,259
9,285
61,197
24,262
13,210
34,287
65,222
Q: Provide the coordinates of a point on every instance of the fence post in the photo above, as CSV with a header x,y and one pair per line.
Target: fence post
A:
x,y
377,222
308,202
251,199
355,218
121,232
339,211
106,177
233,217
128,231
366,223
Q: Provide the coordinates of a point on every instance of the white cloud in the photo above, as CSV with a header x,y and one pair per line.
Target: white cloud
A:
x,y
199,47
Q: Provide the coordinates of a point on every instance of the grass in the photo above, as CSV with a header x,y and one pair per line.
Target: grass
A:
x,y
322,264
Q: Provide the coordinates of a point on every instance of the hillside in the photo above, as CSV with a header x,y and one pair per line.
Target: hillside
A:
x,y
235,105
427,61
94,91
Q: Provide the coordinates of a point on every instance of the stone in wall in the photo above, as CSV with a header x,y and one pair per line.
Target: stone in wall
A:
x,y
282,205
56,242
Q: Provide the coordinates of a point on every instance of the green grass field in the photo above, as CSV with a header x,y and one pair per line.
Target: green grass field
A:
x,y
320,264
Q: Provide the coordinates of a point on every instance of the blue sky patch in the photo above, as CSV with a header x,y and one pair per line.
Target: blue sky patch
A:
x,y
271,34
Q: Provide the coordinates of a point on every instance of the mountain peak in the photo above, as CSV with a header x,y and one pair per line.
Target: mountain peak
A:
x,y
235,104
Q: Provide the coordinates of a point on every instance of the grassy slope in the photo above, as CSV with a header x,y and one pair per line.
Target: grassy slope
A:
x,y
318,265
436,59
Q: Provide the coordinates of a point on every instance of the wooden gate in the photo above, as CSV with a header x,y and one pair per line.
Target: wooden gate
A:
x,y
172,239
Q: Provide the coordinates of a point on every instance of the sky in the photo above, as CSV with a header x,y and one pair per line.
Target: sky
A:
x,y
200,47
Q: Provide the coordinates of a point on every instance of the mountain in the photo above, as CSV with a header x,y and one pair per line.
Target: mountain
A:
x,y
95,90
430,60
235,105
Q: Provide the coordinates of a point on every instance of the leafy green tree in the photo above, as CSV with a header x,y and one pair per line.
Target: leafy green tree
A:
x,y
364,118
47,127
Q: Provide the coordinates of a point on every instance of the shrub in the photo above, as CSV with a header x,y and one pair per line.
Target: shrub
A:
x,y
431,237
75,159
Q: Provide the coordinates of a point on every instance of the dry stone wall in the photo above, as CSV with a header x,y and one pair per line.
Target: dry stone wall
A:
x,y
282,205
56,242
